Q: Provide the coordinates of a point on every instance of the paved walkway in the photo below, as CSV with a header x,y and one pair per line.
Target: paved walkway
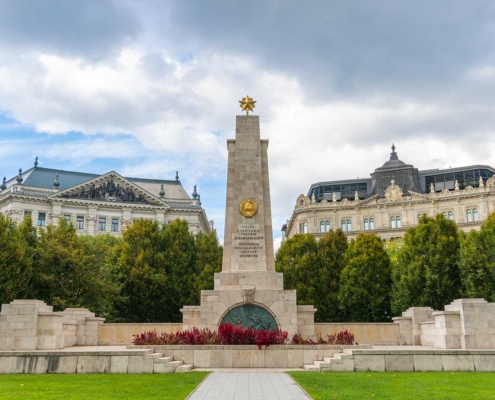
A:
x,y
248,386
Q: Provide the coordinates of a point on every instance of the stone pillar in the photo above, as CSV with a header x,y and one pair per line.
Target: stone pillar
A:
x,y
477,322
50,332
306,322
405,330
87,325
447,330
418,315
19,324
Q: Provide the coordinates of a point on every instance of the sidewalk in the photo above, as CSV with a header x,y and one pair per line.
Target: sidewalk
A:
x,y
248,386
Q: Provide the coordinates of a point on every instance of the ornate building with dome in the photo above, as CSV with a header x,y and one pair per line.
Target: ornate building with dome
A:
x,y
98,204
393,199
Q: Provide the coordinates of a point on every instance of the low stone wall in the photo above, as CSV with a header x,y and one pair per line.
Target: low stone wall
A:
x,y
121,334
424,360
75,362
248,356
386,334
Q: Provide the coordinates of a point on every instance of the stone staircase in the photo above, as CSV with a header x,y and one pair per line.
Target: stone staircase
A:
x,y
340,361
167,365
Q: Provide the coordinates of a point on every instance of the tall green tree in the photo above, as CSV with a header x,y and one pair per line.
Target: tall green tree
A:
x,y
427,272
365,281
16,259
477,261
158,271
209,260
67,272
297,260
330,259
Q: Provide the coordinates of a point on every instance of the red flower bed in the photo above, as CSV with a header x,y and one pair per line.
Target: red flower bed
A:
x,y
229,334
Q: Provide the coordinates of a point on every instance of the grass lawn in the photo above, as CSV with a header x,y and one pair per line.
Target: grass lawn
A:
x,y
397,385
99,386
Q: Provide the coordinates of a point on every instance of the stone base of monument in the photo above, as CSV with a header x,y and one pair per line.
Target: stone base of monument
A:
x,y
255,304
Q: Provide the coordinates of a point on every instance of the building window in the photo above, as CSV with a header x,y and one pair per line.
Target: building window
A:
x,y
28,214
349,225
475,214
41,219
67,218
343,225
445,214
102,224
80,222
305,227
399,222
322,226
366,224
327,226
392,222
372,224
469,215
115,225
451,216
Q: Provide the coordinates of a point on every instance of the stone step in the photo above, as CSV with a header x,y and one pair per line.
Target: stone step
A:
x,y
343,355
320,364
184,368
346,365
332,360
312,368
347,351
153,355
175,364
164,359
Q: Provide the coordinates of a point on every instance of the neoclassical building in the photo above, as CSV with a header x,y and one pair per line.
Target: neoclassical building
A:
x,y
98,203
393,199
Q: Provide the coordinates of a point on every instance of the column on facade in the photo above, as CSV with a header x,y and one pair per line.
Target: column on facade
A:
x,y
56,213
92,220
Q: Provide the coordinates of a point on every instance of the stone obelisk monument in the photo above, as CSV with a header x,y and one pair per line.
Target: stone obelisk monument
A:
x,y
248,290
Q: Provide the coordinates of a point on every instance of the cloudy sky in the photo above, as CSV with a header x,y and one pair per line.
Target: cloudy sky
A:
x,y
149,87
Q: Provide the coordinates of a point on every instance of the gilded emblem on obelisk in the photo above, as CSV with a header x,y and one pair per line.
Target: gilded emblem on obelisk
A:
x,y
248,208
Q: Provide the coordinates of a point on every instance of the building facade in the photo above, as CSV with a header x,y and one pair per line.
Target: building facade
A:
x,y
98,203
393,199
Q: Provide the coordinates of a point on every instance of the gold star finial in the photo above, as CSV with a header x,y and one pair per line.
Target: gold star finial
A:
x,y
247,104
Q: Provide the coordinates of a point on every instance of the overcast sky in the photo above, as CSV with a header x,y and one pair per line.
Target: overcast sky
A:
x,y
149,87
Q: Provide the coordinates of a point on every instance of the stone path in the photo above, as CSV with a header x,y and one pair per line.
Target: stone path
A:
x,y
248,386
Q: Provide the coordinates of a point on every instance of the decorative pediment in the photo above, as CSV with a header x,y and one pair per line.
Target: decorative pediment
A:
x,y
302,201
393,192
490,182
110,187
444,193
468,189
344,202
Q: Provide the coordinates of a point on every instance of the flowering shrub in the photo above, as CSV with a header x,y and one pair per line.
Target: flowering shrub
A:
x,y
229,334
343,337
192,336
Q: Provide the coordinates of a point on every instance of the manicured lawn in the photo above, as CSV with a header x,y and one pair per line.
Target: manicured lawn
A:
x,y
102,386
397,385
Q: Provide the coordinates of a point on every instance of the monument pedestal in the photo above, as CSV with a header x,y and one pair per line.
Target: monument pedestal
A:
x,y
248,290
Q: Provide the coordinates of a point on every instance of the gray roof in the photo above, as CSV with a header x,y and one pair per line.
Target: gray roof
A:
x,y
44,177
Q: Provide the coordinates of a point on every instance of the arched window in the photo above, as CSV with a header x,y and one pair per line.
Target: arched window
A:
x,y
475,214
372,224
392,222
349,225
327,226
366,224
343,225
322,226
469,215
445,214
451,215
305,227
419,216
399,222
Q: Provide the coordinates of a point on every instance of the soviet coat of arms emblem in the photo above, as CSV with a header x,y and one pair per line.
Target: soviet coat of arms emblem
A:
x,y
248,208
